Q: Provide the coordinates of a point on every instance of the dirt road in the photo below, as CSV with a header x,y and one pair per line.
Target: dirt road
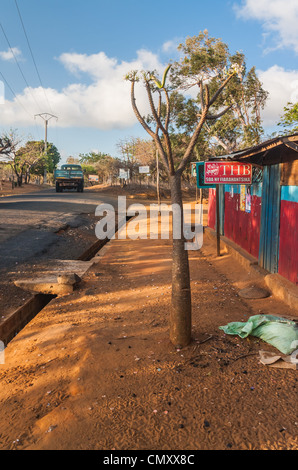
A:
x,y
96,370
39,226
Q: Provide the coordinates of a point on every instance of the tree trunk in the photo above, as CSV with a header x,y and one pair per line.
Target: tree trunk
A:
x,y
157,178
180,319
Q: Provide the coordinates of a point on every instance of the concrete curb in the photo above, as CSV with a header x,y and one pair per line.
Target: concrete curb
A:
x,y
20,317
283,289
280,287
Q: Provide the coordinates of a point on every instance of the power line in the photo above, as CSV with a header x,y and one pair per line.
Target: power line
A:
x,y
31,52
19,67
21,104
8,86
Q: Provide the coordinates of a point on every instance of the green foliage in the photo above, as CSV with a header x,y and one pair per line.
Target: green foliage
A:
x,y
48,162
100,164
223,116
203,58
243,97
92,157
89,169
289,120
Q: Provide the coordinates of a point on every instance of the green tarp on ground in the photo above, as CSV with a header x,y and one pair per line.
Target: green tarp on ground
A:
x,y
279,332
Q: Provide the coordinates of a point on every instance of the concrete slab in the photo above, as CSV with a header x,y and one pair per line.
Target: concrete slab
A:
x,y
65,266
45,285
58,277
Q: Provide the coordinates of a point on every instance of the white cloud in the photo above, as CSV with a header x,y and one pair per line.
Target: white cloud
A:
x,y
103,100
172,46
99,66
279,17
282,86
10,53
103,104
96,65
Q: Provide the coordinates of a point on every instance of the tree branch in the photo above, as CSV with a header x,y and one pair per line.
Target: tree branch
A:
x,y
168,113
153,110
161,127
196,134
141,120
202,93
136,111
216,95
216,116
158,111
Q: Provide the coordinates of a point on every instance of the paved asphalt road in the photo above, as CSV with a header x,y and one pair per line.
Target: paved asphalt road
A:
x,y
28,223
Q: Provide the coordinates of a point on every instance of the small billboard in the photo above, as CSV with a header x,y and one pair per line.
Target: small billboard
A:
x,y
123,174
93,178
227,173
144,169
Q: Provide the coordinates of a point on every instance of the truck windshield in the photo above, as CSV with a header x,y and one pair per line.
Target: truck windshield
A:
x,y
78,168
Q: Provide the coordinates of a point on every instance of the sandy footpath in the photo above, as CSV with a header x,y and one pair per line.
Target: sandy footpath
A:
x,y
96,370
7,190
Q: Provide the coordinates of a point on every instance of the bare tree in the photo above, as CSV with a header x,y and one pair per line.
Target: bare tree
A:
x,y
9,143
180,318
28,157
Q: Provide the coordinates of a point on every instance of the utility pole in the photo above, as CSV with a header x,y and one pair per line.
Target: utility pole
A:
x,y
46,117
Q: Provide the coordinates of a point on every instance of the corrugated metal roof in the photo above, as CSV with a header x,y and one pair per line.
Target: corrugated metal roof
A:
x,y
254,153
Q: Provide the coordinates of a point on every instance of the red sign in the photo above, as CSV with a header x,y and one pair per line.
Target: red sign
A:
x,y
228,173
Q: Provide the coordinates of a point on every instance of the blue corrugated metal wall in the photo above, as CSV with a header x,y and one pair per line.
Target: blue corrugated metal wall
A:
x,y
270,219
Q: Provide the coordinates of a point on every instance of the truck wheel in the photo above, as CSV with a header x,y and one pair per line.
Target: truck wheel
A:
x,y
57,188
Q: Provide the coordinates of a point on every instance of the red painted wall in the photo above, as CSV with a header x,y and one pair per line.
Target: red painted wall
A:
x,y
212,208
242,227
288,241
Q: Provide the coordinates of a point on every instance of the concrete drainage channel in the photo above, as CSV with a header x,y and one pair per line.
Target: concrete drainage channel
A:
x,y
23,315
48,288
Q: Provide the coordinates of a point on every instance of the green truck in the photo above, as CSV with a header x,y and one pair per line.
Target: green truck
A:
x,y
69,177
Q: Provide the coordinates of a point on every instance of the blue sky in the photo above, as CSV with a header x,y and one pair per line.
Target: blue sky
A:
x,y
83,49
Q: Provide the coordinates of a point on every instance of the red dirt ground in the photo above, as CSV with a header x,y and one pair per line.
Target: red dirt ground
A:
x,y
96,370
6,189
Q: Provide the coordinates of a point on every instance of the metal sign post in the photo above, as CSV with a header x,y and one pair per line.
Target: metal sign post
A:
x,y
217,222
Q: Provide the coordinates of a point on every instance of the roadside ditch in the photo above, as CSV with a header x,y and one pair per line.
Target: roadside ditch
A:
x,y
76,242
